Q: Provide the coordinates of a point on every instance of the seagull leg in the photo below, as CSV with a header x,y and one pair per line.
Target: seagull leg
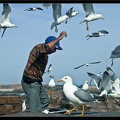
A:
x,y
87,28
83,109
56,30
69,111
116,100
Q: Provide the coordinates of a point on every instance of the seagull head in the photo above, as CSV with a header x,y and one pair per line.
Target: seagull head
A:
x,y
13,25
66,79
102,17
74,13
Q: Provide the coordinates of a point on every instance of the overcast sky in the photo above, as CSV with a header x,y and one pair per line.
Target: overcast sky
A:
x,y
34,27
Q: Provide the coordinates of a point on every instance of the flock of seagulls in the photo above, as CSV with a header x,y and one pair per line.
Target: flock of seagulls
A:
x,y
108,83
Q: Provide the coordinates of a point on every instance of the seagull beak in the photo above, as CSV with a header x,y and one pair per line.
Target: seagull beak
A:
x,y
103,18
59,80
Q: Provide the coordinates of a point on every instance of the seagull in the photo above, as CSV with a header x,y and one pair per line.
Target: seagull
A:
x,y
97,34
85,86
87,64
78,96
47,5
23,106
90,14
114,54
33,9
57,15
51,84
5,22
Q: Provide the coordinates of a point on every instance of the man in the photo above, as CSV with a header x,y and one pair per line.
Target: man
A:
x,y
38,98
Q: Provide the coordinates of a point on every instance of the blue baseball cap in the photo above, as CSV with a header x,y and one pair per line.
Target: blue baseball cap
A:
x,y
51,38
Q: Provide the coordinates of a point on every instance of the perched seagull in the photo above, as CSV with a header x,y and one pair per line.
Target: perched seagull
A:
x,y
97,34
5,22
33,9
114,54
23,106
78,96
51,84
57,15
85,86
87,64
70,13
90,14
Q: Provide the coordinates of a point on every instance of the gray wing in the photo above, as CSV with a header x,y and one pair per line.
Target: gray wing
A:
x,y
6,12
88,8
98,79
56,10
69,12
103,31
116,52
39,8
95,62
79,66
112,74
106,78
83,95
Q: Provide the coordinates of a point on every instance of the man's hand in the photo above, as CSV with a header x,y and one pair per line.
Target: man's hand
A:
x,y
62,34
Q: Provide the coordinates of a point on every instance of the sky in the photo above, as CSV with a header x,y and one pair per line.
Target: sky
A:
x,y
34,28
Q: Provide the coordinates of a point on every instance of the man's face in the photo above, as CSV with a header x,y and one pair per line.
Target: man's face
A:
x,y
53,49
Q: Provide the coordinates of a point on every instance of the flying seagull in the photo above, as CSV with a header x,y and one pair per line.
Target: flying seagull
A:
x,y
78,96
90,14
114,54
5,22
47,5
33,9
87,64
58,17
97,34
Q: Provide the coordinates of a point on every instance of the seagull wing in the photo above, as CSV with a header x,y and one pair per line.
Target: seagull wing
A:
x,y
79,66
69,12
39,8
106,78
103,31
98,79
56,10
6,12
95,62
83,95
88,8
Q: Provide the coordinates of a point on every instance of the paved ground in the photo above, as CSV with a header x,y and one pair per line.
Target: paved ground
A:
x,y
74,114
